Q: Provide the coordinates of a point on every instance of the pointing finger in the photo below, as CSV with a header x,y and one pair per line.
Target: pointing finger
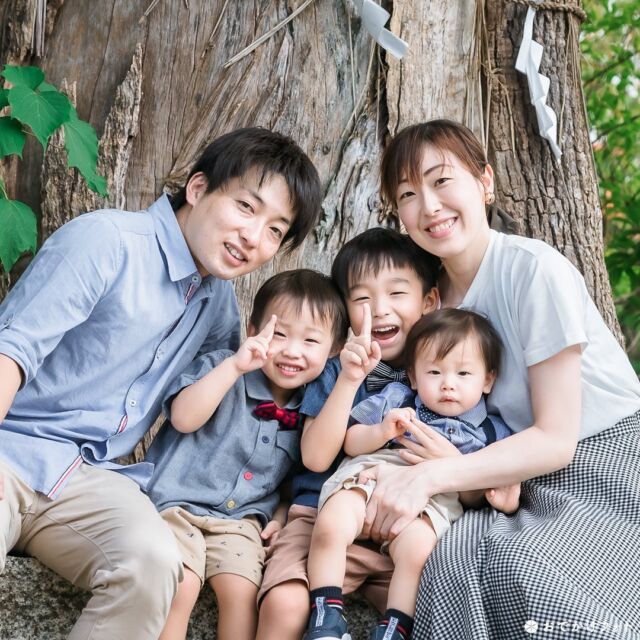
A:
x,y
269,328
366,321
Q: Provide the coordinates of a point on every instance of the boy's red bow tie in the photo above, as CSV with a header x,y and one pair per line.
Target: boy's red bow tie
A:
x,y
287,418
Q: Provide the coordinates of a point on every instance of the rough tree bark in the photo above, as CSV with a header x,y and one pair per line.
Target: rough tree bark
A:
x,y
556,201
157,89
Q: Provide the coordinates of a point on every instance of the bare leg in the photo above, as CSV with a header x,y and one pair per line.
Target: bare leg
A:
x,y
338,524
176,626
409,552
237,612
284,612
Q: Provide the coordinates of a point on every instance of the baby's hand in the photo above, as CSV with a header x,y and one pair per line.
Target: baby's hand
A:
x,y
396,422
360,354
254,351
270,533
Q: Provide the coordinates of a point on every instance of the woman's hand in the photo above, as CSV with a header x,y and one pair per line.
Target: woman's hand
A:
x,y
399,496
430,444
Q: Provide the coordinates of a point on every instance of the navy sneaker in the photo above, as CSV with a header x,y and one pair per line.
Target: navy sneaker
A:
x,y
389,631
327,622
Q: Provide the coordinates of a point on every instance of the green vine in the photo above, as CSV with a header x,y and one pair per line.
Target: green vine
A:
x,y
31,106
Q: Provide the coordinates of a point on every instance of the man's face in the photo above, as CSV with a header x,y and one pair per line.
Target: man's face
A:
x,y
237,228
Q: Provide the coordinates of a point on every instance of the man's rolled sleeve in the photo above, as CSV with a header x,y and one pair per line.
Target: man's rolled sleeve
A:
x,y
58,291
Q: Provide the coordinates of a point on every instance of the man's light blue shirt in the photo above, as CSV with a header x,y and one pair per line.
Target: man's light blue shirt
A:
x,y
109,311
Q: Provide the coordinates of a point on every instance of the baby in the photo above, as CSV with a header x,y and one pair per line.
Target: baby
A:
x,y
452,358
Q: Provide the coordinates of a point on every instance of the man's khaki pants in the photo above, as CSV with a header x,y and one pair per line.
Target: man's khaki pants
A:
x,y
102,534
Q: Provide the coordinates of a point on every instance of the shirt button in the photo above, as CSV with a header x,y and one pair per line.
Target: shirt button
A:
x,y
132,403
248,475
231,504
265,439
450,431
194,279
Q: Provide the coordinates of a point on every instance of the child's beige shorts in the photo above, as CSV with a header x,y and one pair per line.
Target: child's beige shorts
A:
x,y
287,561
442,509
210,546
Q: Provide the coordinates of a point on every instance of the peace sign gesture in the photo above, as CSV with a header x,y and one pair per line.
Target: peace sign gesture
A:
x,y
360,353
254,351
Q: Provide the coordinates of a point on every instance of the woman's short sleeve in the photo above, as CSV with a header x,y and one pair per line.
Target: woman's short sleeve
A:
x,y
551,303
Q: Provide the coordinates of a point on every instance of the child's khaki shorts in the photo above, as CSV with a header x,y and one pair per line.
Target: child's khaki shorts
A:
x,y
366,566
210,546
442,509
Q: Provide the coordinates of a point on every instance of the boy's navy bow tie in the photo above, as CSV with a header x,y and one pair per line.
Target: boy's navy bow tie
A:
x,y
382,375
287,418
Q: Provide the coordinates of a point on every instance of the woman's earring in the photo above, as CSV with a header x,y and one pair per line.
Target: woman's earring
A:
x,y
489,197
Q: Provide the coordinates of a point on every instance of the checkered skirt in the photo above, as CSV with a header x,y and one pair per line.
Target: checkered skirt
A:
x,y
566,565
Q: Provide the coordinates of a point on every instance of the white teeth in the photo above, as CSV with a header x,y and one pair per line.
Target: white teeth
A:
x,y
285,367
391,327
442,226
234,253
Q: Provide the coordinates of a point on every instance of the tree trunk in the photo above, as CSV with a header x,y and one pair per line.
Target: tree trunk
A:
x,y
157,90
555,201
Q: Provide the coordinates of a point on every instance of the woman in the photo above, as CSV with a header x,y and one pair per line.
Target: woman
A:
x,y
567,561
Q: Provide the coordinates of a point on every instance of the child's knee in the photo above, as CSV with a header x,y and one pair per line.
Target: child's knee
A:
x,y
286,601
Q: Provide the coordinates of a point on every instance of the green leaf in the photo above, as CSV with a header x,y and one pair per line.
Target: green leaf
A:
x,y
98,184
45,86
81,143
19,233
43,112
23,76
3,98
12,137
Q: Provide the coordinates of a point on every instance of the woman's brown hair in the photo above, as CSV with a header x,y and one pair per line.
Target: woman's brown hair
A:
x,y
402,159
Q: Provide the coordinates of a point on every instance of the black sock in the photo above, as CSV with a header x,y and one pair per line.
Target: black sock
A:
x,y
403,621
333,594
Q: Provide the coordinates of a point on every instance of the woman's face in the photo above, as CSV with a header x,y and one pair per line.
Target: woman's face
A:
x,y
445,214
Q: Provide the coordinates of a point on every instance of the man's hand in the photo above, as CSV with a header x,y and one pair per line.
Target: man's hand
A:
x,y
360,353
396,423
254,351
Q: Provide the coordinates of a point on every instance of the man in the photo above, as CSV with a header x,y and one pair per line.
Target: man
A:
x,y
114,306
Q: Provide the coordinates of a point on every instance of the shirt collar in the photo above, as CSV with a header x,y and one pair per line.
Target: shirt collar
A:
x,y
474,416
178,258
257,386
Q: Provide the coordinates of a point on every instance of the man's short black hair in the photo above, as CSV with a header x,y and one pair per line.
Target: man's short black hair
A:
x,y
300,286
375,249
235,154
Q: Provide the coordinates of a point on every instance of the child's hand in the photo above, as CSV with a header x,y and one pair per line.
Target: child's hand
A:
x,y
270,533
396,423
254,351
505,499
360,354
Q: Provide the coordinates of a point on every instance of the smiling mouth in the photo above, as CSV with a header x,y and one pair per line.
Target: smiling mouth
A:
x,y
385,333
289,369
234,252
442,226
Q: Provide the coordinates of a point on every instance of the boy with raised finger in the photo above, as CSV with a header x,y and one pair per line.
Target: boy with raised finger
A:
x,y
387,284
231,438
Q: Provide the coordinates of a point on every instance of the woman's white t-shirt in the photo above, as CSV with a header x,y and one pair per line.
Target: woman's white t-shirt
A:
x,y
539,304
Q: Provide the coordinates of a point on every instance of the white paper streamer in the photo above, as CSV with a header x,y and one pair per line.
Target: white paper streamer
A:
x,y
528,62
374,17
